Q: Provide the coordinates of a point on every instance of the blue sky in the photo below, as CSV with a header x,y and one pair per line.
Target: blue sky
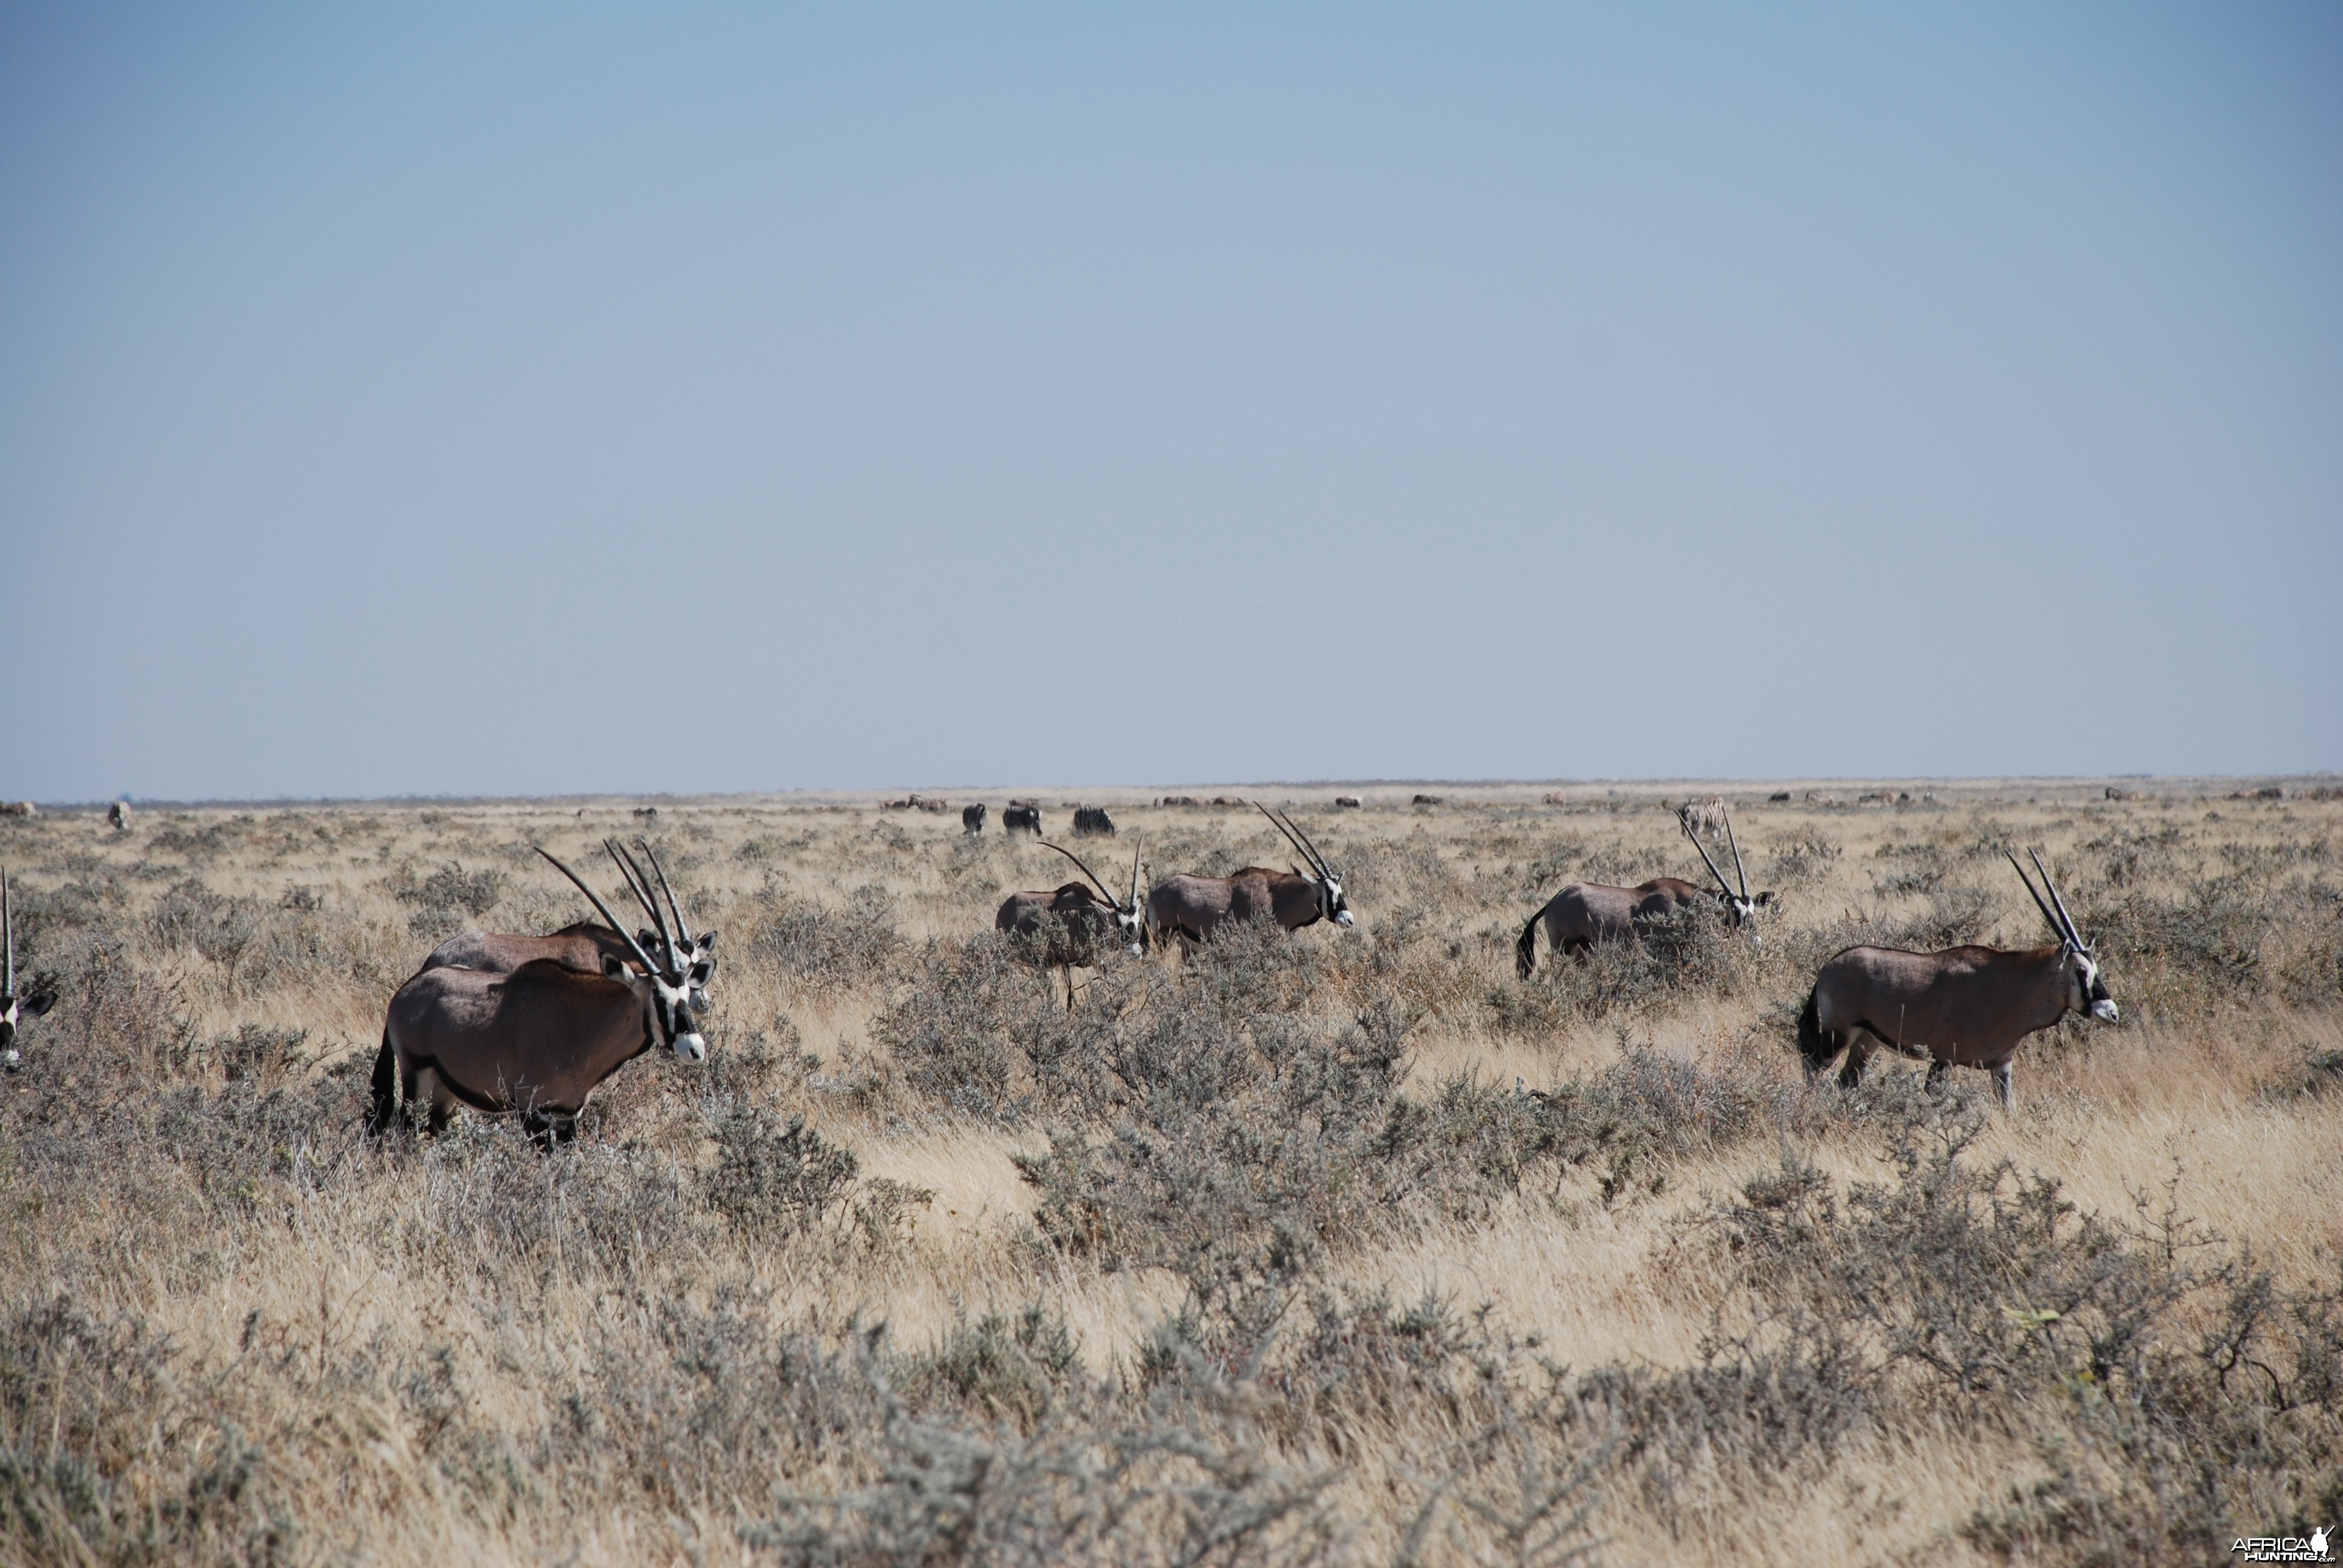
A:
x,y
504,400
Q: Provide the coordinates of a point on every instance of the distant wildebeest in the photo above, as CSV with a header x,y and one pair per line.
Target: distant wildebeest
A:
x,y
971,820
1021,817
536,1042
1179,800
15,1009
1348,803
1778,797
1586,914
1192,908
1093,822
1966,1006
645,813
1703,816
1556,797
1228,799
18,808
118,816
1431,800
585,946
1071,928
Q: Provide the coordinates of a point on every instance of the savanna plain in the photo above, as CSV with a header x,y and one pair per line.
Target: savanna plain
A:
x,y
1329,1246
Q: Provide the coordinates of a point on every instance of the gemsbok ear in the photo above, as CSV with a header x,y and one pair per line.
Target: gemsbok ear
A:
x,y
39,1002
708,941
646,937
613,967
1761,898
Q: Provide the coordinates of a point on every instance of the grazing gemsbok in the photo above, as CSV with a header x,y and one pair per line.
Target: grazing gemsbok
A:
x,y
1021,817
1966,1007
13,1009
584,945
536,1041
1586,913
971,820
1093,822
1074,928
1192,908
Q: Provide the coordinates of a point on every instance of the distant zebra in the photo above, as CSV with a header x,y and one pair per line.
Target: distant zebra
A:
x,y
971,820
1348,803
1093,822
1021,817
1703,816
18,808
118,816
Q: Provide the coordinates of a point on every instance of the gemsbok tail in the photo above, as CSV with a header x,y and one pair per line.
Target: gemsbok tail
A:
x,y
1813,1044
1526,950
385,1085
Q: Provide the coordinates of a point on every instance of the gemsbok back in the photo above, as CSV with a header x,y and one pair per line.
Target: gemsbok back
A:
x,y
15,1009
1586,914
1071,928
535,1042
1965,1007
1192,908
584,945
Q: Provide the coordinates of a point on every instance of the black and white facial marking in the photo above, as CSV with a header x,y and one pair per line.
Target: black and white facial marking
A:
x,y
1130,927
697,962
2090,989
668,1001
13,1010
1331,900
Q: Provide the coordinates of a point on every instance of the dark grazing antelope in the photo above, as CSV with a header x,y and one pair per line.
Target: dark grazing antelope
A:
x,y
1074,928
1586,914
15,1009
536,1042
1966,1007
1192,908
584,945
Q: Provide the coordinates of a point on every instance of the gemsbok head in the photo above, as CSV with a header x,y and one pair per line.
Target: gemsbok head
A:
x,y
15,1009
1740,907
536,1042
1962,1007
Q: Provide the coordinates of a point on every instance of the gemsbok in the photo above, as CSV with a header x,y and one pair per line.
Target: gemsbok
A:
x,y
1963,1007
15,1009
584,945
1586,914
1192,908
1071,928
536,1042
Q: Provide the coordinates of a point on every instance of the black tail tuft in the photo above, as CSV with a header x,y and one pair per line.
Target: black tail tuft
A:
x,y
1813,1044
385,1085
1526,950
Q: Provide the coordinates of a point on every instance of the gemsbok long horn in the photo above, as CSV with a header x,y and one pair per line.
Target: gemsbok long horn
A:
x,y
1739,870
619,853
1713,871
681,929
604,910
2073,935
2048,918
8,926
1137,850
1294,837
641,890
1077,859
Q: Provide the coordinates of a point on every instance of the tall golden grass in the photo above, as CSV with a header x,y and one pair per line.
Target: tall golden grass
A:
x,y
233,1329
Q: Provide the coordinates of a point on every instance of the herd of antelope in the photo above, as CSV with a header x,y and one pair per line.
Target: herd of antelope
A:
x,y
529,1026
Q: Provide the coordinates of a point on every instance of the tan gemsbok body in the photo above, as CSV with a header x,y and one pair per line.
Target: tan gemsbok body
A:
x,y
535,1041
584,945
15,1009
1966,1007
1584,915
1192,908
1072,927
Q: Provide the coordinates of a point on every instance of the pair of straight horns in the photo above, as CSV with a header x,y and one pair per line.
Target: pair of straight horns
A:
x,y
1137,850
1739,870
1301,841
2062,924
638,884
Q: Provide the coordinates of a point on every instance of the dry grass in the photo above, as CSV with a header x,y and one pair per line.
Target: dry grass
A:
x,y
1257,1257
